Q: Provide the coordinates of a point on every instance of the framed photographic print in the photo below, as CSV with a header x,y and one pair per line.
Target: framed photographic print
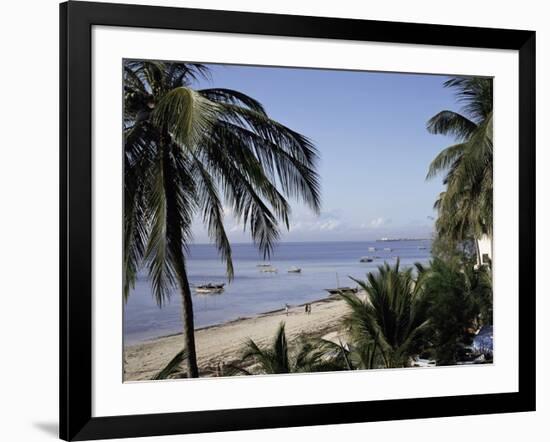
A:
x,y
273,220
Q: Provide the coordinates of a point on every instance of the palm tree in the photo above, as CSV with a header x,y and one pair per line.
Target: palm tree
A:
x,y
460,299
309,355
393,316
466,206
189,153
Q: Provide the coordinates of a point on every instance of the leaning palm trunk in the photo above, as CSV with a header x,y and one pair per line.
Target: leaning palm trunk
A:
x,y
176,249
188,323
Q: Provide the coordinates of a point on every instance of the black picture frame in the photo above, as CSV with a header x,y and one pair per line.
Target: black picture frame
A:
x,y
76,21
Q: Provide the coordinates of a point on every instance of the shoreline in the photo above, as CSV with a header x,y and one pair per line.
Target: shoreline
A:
x,y
328,298
222,343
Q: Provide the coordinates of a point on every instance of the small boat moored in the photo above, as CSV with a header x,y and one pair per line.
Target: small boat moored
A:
x,y
345,290
268,269
295,270
209,288
366,259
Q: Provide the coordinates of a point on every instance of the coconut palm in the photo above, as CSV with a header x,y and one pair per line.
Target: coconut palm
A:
x,y
466,206
460,299
308,355
393,315
189,156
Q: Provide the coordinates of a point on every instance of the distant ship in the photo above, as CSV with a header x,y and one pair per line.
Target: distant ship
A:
x,y
402,239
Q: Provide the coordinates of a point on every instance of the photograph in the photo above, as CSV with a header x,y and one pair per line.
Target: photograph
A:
x,y
288,220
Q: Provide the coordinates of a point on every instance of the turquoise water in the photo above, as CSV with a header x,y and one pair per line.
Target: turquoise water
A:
x,y
323,264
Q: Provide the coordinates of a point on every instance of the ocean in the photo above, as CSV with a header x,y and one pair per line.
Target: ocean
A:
x,y
324,265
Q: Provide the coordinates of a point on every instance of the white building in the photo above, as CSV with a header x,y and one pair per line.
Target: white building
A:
x,y
484,250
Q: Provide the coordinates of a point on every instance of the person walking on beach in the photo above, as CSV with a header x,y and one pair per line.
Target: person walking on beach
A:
x,y
286,308
306,308
309,309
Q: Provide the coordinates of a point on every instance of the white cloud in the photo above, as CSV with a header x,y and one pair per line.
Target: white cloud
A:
x,y
376,223
325,222
330,225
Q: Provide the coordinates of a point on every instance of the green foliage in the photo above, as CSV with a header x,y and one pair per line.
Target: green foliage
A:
x,y
189,153
431,311
308,355
186,115
393,318
459,298
172,366
447,249
465,208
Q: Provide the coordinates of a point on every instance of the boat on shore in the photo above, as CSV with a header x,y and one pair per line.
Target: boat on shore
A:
x,y
268,269
210,288
344,290
295,270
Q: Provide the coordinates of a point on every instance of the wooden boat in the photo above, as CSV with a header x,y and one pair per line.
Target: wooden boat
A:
x,y
263,265
209,288
268,269
366,259
295,270
345,290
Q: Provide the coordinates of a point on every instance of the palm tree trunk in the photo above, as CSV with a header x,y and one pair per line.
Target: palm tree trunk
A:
x,y
179,263
188,320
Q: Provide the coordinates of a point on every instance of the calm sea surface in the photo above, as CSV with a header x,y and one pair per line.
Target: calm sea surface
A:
x,y
323,264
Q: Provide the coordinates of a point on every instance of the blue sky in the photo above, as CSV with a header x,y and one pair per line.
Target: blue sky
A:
x,y
370,130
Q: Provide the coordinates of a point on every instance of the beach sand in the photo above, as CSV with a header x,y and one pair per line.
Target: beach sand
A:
x,y
222,344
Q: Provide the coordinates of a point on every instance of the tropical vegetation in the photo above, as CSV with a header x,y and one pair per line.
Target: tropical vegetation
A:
x,y
465,207
393,315
460,302
307,355
400,315
190,155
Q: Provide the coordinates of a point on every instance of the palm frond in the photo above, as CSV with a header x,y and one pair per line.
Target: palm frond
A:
x,y
391,319
186,115
172,366
451,123
212,213
445,159
230,96
475,93
172,207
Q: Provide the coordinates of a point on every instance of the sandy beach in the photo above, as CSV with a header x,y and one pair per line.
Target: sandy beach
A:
x,y
221,344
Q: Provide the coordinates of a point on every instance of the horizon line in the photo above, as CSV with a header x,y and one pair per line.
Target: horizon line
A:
x,y
320,241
